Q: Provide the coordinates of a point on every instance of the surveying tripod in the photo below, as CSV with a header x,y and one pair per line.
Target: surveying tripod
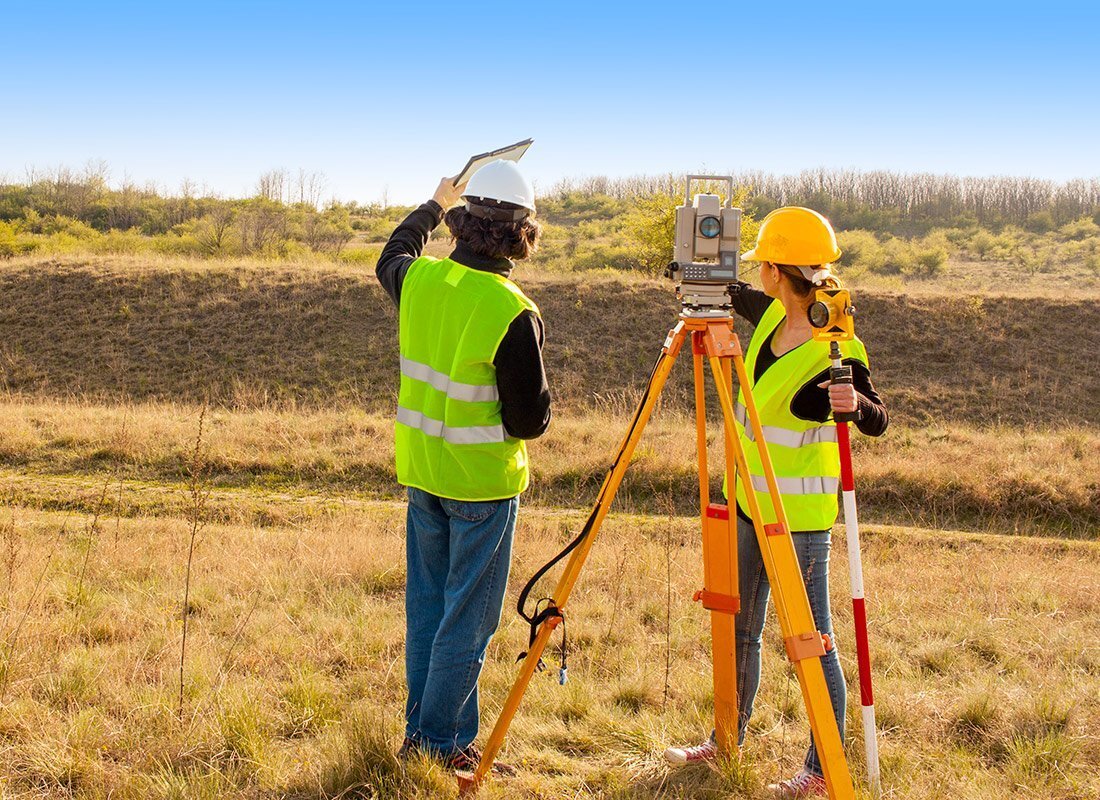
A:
x,y
712,340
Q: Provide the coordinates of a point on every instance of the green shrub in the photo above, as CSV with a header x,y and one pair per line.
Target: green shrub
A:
x,y
928,263
360,256
69,228
1040,222
122,242
609,257
982,244
861,249
13,242
1080,229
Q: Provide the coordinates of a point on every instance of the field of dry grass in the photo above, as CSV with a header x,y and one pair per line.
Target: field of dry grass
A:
x,y
986,660
987,667
56,455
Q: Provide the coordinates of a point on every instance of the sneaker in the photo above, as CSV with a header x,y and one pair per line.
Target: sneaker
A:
x,y
696,754
804,784
466,760
409,748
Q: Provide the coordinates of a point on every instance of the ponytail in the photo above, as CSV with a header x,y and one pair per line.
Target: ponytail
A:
x,y
805,285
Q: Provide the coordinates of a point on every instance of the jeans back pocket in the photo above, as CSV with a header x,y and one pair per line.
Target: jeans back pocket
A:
x,y
470,511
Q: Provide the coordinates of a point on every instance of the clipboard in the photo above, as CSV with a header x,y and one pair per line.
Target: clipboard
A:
x,y
513,152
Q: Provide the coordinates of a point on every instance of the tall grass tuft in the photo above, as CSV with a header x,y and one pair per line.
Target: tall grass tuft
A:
x,y
198,495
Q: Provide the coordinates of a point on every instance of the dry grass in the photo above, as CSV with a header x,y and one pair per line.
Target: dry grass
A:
x,y
57,455
988,675
987,669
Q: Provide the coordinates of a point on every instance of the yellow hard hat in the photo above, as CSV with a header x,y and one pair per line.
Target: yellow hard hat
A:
x,y
796,236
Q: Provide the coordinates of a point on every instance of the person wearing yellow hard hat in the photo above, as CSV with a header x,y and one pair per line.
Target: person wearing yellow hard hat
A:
x,y
789,379
473,389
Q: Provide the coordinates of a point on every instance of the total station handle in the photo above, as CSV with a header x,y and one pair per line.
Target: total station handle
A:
x,y
843,374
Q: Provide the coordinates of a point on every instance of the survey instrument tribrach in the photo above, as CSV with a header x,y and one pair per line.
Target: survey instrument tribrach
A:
x,y
706,262
832,316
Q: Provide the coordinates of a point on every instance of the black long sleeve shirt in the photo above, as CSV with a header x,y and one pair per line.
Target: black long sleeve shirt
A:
x,y
521,375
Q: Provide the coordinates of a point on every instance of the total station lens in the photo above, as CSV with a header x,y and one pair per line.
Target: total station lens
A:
x,y
709,227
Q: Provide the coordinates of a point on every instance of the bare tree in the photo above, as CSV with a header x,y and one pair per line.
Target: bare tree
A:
x,y
272,185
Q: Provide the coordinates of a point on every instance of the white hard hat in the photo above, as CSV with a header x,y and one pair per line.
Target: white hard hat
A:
x,y
501,180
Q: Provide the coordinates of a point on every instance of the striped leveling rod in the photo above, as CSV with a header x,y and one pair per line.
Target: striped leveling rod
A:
x,y
842,374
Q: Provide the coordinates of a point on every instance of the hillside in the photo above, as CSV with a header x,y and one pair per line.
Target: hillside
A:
x,y
249,333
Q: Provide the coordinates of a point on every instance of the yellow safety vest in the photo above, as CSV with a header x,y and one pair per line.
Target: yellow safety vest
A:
x,y
803,452
449,437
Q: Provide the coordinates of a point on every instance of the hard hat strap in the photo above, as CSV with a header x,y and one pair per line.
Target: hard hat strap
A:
x,y
496,214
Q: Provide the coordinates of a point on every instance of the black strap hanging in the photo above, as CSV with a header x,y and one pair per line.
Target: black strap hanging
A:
x,y
542,614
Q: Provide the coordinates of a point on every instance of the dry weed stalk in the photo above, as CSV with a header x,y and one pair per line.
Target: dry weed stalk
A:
x,y
91,537
7,667
617,589
198,495
118,512
13,557
666,545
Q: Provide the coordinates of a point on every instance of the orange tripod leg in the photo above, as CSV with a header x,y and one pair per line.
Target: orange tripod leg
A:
x,y
468,783
719,594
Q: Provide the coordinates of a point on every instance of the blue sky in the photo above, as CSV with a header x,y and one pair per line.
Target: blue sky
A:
x,y
389,96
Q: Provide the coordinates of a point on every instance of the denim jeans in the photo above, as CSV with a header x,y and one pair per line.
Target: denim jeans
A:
x,y
458,555
813,556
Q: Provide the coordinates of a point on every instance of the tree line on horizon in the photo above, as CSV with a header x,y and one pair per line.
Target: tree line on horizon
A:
x,y
590,222
883,201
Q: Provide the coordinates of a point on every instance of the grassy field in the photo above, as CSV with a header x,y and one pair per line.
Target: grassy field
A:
x,y
986,661
294,679
56,455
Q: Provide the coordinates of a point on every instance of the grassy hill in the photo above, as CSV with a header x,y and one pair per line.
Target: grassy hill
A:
x,y
994,423
248,333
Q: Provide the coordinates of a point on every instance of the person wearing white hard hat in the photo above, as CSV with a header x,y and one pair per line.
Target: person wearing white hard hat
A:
x,y
473,389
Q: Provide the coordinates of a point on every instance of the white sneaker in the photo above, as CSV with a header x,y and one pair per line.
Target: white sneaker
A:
x,y
696,754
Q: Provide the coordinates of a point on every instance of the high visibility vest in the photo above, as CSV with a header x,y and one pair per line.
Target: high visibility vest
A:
x,y
449,437
803,453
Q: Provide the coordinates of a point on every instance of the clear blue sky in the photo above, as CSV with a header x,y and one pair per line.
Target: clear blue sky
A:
x,y
393,95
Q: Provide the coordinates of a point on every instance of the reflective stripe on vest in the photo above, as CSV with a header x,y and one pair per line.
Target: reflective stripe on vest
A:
x,y
794,486
469,392
787,438
471,434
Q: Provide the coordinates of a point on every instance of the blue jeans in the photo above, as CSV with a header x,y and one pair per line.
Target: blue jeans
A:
x,y
813,556
458,555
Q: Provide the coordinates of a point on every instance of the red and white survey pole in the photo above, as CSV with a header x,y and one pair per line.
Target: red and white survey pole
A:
x,y
843,374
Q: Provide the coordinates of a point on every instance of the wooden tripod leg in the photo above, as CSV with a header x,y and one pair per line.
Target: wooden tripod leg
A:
x,y
719,595
804,644
468,783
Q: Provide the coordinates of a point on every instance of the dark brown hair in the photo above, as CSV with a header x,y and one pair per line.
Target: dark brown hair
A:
x,y
494,239
801,286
